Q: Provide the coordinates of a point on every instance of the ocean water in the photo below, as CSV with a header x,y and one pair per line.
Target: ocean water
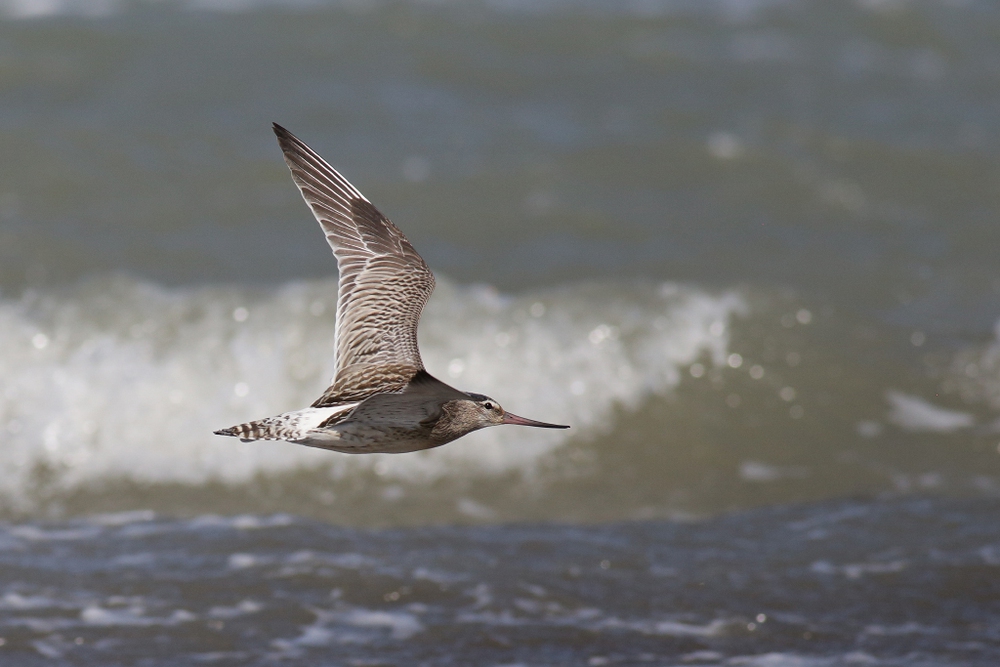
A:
x,y
844,583
748,250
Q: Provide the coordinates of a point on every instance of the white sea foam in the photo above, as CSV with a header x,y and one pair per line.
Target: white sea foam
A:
x,y
241,609
974,374
36,534
16,601
240,561
916,414
353,625
132,378
240,521
400,625
858,570
113,519
776,659
133,615
591,619
759,472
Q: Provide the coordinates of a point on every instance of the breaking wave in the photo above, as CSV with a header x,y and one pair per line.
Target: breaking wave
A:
x,y
121,379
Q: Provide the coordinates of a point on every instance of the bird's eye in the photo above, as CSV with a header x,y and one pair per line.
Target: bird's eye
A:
x,y
488,405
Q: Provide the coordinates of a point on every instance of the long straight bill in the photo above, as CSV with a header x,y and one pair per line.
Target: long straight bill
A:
x,y
508,418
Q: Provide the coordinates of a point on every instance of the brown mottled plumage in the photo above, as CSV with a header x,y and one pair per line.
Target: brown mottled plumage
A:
x,y
381,398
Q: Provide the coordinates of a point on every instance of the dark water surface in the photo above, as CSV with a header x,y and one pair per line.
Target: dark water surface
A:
x,y
849,583
747,249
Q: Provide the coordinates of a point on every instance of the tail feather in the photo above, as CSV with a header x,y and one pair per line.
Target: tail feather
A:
x,y
289,426
264,429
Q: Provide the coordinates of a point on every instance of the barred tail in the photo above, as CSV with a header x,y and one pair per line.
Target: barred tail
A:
x,y
265,429
288,426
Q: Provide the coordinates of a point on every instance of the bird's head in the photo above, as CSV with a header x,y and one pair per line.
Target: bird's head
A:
x,y
483,411
465,415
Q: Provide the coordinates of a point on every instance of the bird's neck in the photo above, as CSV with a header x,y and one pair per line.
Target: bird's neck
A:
x,y
453,422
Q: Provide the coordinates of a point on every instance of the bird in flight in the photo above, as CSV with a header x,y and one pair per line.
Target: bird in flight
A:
x,y
381,398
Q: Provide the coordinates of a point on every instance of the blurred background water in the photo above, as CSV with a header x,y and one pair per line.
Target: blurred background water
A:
x,y
747,249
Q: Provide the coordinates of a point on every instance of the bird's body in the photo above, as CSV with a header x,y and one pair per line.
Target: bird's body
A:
x,y
381,398
421,416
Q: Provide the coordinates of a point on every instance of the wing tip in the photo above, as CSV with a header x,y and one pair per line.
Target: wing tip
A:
x,y
285,138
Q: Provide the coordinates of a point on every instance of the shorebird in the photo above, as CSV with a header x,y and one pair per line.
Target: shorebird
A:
x,y
381,398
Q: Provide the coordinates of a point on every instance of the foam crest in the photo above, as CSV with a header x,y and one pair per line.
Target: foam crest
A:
x,y
122,379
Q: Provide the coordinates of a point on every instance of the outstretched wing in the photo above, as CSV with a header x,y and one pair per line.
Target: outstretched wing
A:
x,y
384,283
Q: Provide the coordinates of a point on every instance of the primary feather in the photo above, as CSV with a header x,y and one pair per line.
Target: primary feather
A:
x,y
383,286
